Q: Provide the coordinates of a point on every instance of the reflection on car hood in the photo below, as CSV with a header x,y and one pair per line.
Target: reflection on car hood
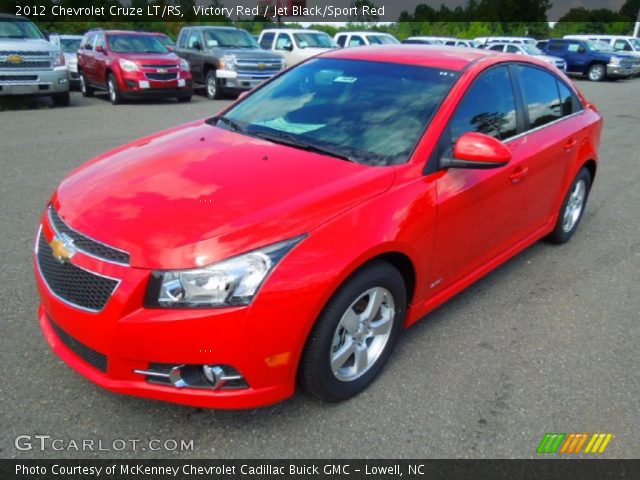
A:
x,y
196,194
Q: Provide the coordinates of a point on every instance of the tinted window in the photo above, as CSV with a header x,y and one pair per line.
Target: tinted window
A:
x,y
372,112
569,101
497,48
194,40
555,46
512,49
341,40
267,40
540,95
488,107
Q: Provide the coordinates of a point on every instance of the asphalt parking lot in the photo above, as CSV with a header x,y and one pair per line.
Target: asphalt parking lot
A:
x,y
546,343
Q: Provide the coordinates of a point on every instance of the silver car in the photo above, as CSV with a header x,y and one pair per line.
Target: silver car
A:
x,y
29,65
526,49
69,45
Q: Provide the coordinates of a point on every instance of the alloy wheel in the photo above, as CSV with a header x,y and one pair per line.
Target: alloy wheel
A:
x,y
574,207
362,334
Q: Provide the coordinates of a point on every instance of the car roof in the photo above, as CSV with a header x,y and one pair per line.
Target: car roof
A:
x,y
121,32
363,32
291,30
437,56
212,27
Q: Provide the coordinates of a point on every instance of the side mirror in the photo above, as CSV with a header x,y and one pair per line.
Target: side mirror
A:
x,y
171,48
581,49
289,47
477,150
100,49
197,46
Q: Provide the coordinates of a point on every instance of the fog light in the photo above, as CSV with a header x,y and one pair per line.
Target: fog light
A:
x,y
213,377
62,81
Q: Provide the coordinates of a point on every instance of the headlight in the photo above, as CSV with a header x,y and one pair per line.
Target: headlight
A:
x,y
58,59
615,61
184,65
128,65
234,281
228,62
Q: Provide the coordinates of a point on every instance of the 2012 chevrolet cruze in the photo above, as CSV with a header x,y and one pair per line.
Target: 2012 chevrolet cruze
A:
x,y
289,239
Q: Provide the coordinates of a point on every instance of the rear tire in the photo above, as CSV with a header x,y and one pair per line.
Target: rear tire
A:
x,y
114,91
85,88
597,72
572,208
61,99
355,333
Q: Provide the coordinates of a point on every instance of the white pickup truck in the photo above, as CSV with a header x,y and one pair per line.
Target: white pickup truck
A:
x,y
29,64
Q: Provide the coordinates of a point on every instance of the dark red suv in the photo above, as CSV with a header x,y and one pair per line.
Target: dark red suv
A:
x,y
131,64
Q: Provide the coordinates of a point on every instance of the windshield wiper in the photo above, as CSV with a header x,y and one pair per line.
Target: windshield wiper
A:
x,y
232,124
292,141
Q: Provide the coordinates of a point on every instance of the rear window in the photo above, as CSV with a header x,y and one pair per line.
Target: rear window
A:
x,y
267,40
555,46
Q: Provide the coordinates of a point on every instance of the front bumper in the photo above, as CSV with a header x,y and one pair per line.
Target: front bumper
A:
x,y
615,71
109,346
237,81
34,82
138,84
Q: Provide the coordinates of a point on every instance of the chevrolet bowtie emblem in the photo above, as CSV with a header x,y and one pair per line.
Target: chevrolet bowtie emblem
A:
x,y
162,70
262,66
62,248
15,59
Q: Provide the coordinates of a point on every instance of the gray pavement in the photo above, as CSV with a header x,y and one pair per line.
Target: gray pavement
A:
x,y
546,343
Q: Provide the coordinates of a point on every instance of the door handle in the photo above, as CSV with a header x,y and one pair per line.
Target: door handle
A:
x,y
570,144
519,174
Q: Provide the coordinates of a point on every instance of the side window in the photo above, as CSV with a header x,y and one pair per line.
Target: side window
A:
x,y
182,39
284,42
540,95
568,100
88,45
573,47
512,49
450,43
497,48
267,40
194,40
356,41
488,107
99,41
555,46
622,45
341,40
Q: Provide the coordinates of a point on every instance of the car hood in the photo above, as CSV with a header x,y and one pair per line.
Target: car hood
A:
x,y
150,58
196,194
27,45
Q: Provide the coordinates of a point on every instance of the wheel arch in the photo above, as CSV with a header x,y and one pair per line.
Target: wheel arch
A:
x,y
592,167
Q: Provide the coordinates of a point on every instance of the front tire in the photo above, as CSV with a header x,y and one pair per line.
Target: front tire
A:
x,y
597,72
85,88
355,334
212,87
114,92
572,208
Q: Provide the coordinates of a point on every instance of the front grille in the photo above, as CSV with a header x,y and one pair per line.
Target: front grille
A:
x,y
85,244
18,78
258,67
25,53
26,65
71,284
95,359
160,66
162,76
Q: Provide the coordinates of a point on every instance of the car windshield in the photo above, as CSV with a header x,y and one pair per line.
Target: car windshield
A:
x,y
531,50
313,40
136,44
598,46
635,43
165,40
70,45
19,29
229,39
368,112
382,40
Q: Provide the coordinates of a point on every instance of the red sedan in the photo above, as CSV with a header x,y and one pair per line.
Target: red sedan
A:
x,y
131,65
290,239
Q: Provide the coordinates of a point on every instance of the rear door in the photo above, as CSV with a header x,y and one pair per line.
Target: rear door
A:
x,y
479,212
553,139
100,60
88,64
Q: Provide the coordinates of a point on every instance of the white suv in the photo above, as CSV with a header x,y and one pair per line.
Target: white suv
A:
x,y
296,44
